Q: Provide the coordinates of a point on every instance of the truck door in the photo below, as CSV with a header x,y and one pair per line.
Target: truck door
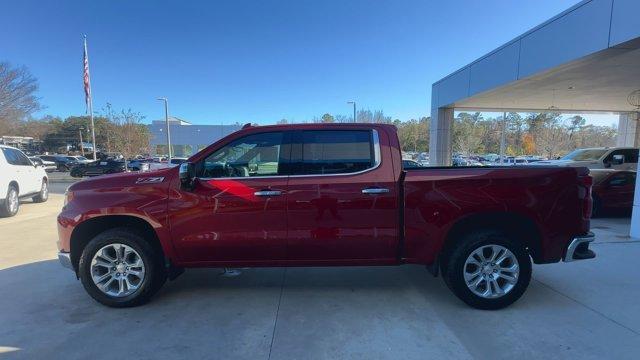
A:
x,y
619,190
629,159
236,211
342,202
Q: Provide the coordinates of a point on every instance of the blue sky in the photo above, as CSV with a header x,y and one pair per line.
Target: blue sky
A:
x,y
258,61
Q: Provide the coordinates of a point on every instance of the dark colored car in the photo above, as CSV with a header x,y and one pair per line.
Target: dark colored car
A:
x,y
612,190
63,162
410,164
323,195
99,167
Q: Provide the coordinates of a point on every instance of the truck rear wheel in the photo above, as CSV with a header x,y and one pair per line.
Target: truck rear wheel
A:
x,y
118,268
488,270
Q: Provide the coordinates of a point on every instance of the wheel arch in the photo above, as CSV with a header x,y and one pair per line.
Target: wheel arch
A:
x,y
515,224
87,230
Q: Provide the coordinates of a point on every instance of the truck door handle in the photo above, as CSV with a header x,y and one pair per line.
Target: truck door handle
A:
x,y
268,193
375,191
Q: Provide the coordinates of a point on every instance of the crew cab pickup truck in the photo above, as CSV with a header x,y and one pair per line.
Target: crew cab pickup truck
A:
x,y
323,195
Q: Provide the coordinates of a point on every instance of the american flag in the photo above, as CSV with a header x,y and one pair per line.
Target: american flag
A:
x,y
87,81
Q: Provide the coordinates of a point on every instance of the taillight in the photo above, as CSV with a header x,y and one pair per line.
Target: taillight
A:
x,y
584,193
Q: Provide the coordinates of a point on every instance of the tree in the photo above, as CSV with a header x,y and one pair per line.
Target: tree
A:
x,y
342,118
577,122
364,116
17,96
130,136
327,118
528,145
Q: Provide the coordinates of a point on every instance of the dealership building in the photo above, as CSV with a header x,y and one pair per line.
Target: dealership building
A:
x,y
186,138
584,60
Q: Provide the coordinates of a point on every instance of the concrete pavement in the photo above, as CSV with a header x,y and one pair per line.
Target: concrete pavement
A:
x,y
586,309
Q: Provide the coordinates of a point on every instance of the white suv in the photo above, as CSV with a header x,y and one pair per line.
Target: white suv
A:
x,y
19,178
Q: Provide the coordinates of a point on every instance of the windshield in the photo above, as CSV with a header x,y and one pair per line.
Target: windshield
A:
x,y
584,154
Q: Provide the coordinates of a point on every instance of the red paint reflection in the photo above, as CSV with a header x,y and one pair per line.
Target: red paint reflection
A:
x,y
234,188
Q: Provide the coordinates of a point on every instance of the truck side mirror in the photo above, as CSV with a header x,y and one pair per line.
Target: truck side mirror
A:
x,y
187,175
617,160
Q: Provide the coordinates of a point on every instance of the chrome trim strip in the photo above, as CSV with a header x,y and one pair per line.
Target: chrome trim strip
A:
x,y
65,260
268,193
375,191
571,249
376,148
376,158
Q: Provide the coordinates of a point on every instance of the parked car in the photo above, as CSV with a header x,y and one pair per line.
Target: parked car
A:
x,y
460,161
19,179
618,158
63,162
155,165
48,166
80,159
177,160
323,195
612,190
96,168
139,164
408,164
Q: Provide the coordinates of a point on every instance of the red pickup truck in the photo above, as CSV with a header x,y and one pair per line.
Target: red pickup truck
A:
x,y
323,195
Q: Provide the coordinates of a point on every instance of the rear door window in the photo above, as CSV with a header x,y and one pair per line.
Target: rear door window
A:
x,y
326,152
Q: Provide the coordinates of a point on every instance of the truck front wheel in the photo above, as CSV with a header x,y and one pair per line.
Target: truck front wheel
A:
x,y
118,268
488,270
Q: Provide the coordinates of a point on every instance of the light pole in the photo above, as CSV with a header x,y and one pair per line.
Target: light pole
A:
x,y
166,120
354,109
81,145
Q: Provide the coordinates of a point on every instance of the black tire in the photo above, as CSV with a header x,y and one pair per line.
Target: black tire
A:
x,y
6,208
454,267
154,278
43,195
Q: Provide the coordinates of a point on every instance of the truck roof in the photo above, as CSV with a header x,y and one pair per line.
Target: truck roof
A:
x,y
316,126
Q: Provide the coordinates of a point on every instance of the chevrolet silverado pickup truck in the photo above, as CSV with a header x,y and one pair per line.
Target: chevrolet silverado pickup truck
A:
x,y
323,195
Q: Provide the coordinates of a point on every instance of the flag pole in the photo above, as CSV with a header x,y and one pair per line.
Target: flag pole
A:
x,y
93,130
90,103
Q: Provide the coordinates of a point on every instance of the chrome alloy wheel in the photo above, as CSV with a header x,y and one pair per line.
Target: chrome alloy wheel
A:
x,y
491,271
117,270
13,200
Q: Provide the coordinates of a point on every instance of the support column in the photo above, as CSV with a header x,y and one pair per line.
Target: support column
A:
x,y
629,135
635,215
440,137
628,130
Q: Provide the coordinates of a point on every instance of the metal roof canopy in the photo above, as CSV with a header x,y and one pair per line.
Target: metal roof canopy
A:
x,y
586,59
598,83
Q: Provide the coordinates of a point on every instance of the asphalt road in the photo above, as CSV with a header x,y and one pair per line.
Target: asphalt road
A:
x,y
586,310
